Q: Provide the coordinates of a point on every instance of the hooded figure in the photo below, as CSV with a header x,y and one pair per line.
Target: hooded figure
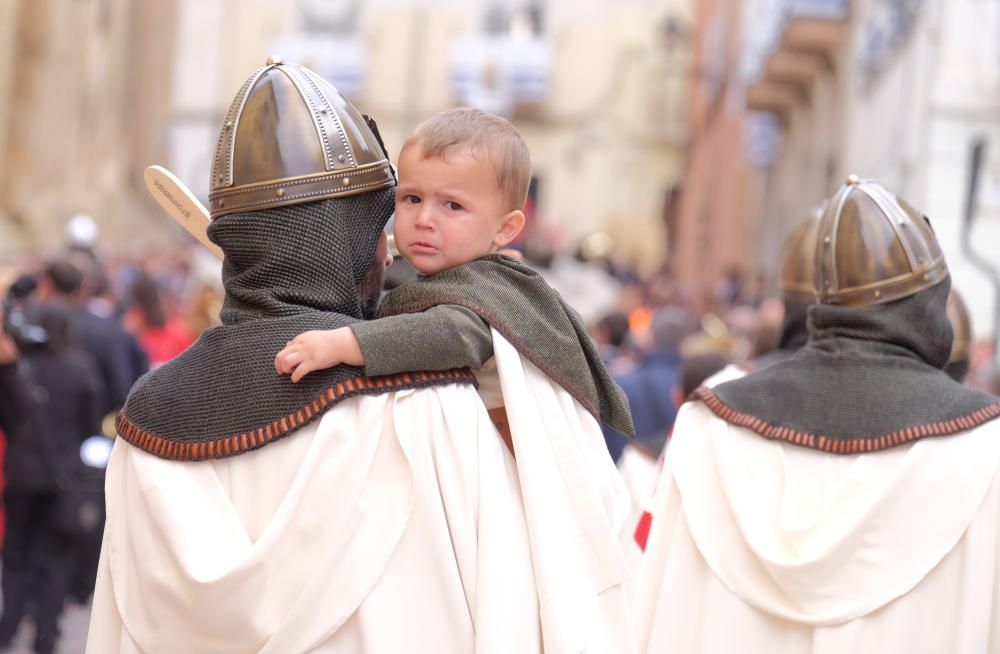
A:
x,y
346,513
845,498
797,264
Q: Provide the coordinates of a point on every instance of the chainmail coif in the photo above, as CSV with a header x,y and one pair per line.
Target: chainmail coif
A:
x,y
286,271
869,378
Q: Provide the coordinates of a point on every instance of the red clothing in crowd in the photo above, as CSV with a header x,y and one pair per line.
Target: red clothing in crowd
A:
x,y
161,343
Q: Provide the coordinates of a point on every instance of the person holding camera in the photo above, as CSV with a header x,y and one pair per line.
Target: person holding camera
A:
x,y
48,406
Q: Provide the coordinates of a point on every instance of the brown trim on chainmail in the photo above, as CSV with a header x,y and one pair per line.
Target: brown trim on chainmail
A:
x,y
844,445
250,440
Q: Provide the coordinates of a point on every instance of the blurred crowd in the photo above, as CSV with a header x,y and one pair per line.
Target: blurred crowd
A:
x,y
85,326
79,329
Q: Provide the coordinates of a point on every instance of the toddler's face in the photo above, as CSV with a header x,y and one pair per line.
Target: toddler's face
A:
x,y
449,209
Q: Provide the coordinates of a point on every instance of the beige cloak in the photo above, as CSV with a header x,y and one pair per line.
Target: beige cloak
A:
x,y
763,546
395,523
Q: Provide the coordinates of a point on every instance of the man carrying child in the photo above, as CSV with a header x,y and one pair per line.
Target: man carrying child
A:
x,y
463,179
351,511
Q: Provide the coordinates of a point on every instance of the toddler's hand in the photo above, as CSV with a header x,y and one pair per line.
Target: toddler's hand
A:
x,y
312,350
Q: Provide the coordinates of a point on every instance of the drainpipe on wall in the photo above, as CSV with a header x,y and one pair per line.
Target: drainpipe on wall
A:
x,y
980,262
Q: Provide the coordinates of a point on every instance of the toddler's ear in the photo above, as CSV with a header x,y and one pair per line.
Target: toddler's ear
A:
x,y
510,227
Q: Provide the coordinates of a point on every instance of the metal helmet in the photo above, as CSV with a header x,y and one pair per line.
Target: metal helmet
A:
x,y
958,316
872,247
289,138
799,262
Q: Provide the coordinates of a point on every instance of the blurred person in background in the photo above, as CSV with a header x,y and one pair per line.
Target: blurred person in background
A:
x,y
763,337
610,335
96,298
117,361
695,370
742,322
662,290
717,338
201,297
982,363
730,290
101,338
583,281
649,384
202,309
48,406
101,303
161,334
771,481
97,288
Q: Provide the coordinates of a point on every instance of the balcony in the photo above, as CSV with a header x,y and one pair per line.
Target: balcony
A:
x,y
817,35
773,97
804,47
507,74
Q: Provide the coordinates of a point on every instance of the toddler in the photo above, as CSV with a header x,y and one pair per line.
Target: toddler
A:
x,y
463,180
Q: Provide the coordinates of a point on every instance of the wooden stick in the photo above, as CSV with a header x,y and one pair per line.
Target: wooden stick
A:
x,y
180,204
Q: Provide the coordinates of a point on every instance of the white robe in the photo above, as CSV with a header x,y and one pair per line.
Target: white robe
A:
x,y
639,472
395,523
762,546
575,505
641,475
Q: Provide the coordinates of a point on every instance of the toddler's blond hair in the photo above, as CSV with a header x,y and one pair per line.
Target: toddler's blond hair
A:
x,y
483,134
